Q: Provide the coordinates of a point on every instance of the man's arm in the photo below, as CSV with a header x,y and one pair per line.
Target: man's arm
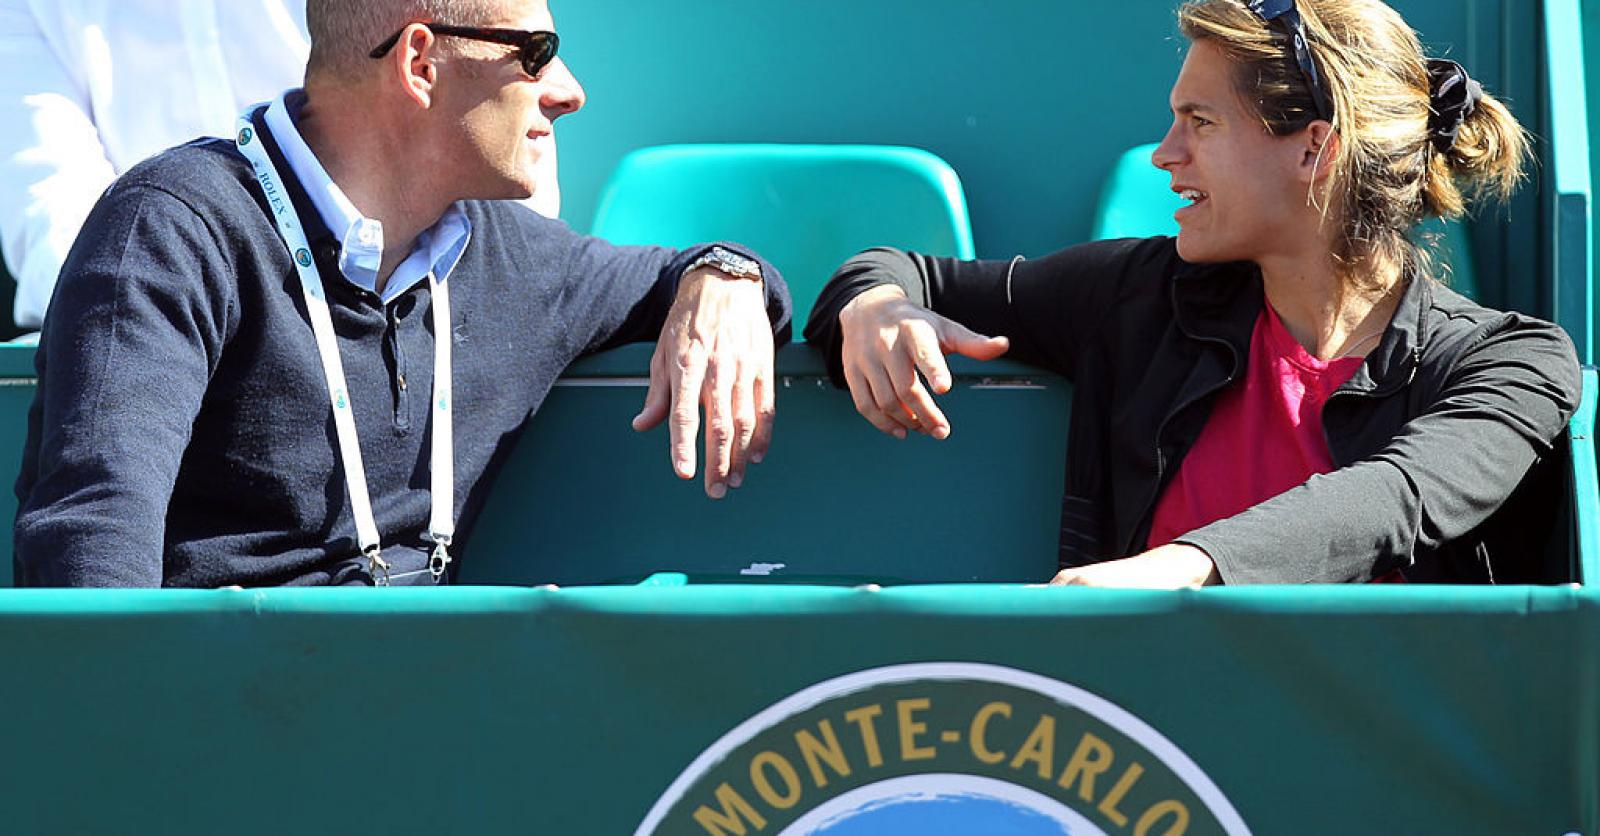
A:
x,y
52,164
715,336
135,331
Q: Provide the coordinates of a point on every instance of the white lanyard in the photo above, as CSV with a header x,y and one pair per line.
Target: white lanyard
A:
x,y
441,524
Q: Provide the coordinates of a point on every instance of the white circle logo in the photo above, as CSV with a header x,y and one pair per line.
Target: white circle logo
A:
x,y
948,748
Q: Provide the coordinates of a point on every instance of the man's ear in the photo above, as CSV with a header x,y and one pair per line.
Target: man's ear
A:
x,y
413,64
1319,151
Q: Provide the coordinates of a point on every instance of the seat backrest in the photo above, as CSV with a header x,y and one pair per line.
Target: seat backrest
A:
x,y
1137,202
584,499
806,208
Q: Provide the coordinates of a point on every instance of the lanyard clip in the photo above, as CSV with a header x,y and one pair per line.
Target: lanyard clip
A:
x,y
377,567
440,557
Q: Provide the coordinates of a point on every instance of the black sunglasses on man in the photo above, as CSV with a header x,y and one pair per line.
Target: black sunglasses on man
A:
x,y
535,49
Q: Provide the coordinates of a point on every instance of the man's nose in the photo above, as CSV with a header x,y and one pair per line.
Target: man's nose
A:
x,y
562,94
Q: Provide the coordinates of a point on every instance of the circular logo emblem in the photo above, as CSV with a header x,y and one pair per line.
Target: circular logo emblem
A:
x,y
245,136
943,747
303,256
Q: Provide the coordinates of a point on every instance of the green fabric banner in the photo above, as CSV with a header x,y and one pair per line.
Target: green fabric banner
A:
x,y
799,709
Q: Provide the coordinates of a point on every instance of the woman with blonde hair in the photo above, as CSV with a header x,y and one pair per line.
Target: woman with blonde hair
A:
x,y
1285,392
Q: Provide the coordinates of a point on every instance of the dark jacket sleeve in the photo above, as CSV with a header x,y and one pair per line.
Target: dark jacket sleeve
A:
x,y
1504,401
629,290
1049,307
133,333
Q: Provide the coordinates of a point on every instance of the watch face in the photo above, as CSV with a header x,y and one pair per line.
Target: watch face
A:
x,y
732,263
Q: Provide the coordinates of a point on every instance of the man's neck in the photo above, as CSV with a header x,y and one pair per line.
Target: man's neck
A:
x,y
366,162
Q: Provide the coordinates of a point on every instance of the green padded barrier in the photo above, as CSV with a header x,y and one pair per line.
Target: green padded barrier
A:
x,y
807,208
576,711
585,499
1137,201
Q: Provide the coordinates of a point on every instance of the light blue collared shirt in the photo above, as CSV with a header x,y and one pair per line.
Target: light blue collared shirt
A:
x,y
437,250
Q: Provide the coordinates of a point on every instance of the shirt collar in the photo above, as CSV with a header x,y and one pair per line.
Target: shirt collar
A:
x,y
437,250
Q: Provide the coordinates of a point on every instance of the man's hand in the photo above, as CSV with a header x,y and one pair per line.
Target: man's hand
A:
x,y
715,351
887,340
1173,566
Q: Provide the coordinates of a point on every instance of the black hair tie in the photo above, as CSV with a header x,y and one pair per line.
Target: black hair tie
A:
x,y
1453,96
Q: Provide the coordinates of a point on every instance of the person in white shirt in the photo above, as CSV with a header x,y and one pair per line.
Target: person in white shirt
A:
x,y
95,86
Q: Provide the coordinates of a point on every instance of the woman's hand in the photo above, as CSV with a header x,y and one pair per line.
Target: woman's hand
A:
x,y
1173,566
887,340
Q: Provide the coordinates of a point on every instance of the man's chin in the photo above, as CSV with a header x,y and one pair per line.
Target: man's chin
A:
x,y
516,188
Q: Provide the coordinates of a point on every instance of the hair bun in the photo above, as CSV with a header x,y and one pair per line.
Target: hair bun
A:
x,y
1453,96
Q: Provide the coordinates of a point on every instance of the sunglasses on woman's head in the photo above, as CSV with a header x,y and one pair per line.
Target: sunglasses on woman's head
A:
x,y
535,49
1285,11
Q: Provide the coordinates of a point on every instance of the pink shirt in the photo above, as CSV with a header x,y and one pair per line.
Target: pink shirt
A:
x,y
1264,435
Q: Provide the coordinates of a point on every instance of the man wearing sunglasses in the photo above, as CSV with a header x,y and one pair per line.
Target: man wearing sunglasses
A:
x,y
240,381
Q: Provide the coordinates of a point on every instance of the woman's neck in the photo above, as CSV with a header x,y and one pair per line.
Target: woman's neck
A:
x,y
1326,312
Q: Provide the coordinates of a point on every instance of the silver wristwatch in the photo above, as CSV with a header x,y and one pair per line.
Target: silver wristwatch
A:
x,y
729,262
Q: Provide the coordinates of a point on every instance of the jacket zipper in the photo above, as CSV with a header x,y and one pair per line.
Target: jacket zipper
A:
x,y
1161,429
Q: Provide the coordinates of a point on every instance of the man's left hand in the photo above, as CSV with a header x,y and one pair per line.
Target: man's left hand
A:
x,y
1173,566
715,352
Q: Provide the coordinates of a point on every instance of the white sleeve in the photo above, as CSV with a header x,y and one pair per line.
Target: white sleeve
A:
x,y
53,166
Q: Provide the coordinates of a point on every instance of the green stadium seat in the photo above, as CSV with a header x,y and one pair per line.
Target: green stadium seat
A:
x,y
1137,202
807,208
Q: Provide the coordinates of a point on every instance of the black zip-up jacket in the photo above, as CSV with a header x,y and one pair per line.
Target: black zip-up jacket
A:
x,y
1457,407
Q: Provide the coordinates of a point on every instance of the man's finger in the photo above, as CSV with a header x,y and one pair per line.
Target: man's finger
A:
x,y
744,423
720,379
954,338
766,412
657,399
685,372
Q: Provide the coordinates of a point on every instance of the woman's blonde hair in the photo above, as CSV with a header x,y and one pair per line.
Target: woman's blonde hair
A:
x,y
1389,175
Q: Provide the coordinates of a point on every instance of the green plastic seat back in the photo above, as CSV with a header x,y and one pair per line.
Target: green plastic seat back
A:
x,y
806,208
584,499
1137,201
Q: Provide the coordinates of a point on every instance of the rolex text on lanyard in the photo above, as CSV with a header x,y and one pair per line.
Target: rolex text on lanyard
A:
x,y
441,523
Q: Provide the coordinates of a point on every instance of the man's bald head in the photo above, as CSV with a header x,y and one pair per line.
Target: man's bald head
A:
x,y
344,31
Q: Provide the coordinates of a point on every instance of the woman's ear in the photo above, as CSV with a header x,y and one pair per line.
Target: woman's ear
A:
x,y
1319,151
